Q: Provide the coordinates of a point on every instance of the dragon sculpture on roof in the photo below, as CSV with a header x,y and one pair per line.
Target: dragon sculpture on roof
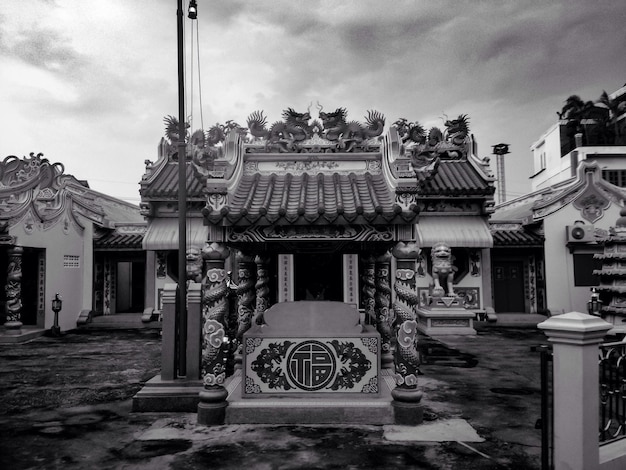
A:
x,y
426,149
298,131
350,134
283,136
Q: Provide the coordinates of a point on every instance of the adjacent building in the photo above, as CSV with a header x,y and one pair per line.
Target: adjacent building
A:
x,y
59,236
544,242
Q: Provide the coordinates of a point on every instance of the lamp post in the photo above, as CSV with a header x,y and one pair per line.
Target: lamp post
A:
x,y
57,305
182,200
182,189
594,304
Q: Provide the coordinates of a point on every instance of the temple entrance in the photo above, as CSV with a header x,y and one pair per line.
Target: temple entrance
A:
x,y
130,286
32,286
318,276
508,286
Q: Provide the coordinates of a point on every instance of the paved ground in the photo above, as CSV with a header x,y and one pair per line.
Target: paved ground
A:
x,y
65,403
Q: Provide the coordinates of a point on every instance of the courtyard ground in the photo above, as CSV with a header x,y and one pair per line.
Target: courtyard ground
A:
x,y
66,403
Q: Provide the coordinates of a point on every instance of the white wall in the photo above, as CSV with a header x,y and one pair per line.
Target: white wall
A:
x,y
562,295
66,281
557,167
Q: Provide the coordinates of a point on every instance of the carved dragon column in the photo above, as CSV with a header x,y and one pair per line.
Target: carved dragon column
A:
x,y
246,299
369,287
406,395
262,287
383,310
13,289
212,405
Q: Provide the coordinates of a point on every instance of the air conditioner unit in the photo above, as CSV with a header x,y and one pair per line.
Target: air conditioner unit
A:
x,y
580,233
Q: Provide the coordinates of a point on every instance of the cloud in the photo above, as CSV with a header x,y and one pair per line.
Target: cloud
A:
x,y
107,73
49,50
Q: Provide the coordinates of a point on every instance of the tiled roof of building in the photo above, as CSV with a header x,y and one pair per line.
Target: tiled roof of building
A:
x,y
519,238
164,183
455,178
307,199
118,241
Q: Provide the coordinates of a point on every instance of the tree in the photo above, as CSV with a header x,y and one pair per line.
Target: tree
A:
x,y
616,109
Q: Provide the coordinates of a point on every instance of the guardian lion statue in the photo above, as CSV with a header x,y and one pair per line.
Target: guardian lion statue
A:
x,y
443,270
194,265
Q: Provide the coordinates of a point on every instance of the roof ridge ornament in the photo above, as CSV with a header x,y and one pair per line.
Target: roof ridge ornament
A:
x,y
427,149
331,133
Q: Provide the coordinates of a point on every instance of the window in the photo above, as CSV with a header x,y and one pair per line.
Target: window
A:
x,y
584,264
616,177
71,261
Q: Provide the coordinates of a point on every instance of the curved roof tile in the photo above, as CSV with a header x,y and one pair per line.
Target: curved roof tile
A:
x,y
321,198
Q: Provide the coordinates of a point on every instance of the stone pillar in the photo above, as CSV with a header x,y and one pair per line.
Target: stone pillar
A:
x,y
382,307
168,329
87,267
150,286
194,327
246,299
262,287
406,395
369,287
575,337
212,405
13,289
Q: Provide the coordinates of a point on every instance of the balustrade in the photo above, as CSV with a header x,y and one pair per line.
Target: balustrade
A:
x,y
612,391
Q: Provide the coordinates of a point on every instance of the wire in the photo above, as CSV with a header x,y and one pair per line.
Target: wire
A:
x,y
191,79
199,75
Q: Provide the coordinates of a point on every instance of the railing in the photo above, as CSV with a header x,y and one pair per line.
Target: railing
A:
x,y
546,422
612,391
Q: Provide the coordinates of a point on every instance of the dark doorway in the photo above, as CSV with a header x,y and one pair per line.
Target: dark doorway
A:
x,y
33,282
508,286
318,276
130,286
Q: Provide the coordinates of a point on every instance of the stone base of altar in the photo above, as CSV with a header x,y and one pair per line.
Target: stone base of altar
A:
x,y
438,321
327,409
159,395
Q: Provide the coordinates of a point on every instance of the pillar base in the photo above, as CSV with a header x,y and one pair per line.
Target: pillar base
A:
x,y
13,328
386,360
212,406
407,409
55,331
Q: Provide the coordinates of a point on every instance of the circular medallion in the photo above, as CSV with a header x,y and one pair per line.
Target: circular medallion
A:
x,y
311,365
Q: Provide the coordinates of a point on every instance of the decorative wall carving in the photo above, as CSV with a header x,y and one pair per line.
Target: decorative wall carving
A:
x,y
36,193
469,297
313,232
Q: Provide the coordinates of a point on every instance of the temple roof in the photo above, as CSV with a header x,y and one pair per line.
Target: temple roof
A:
x,y
455,178
517,238
325,171
585,191
162,182
116,240
35,191
312,198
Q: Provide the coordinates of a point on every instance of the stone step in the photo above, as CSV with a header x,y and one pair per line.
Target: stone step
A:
x,y
324,410
120,321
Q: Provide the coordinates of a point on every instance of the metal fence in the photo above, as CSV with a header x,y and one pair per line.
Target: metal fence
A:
x,y
612,391
546,422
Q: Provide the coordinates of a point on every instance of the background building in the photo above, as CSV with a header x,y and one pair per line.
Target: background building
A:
x,y
59,236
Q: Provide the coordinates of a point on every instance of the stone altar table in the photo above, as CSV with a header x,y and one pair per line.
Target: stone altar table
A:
x,y
307,348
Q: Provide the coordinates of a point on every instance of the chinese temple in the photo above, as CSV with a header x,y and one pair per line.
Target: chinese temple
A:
x,y
61,240
317,249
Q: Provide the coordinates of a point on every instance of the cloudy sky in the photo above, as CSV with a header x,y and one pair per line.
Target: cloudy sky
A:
x,y
88,82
